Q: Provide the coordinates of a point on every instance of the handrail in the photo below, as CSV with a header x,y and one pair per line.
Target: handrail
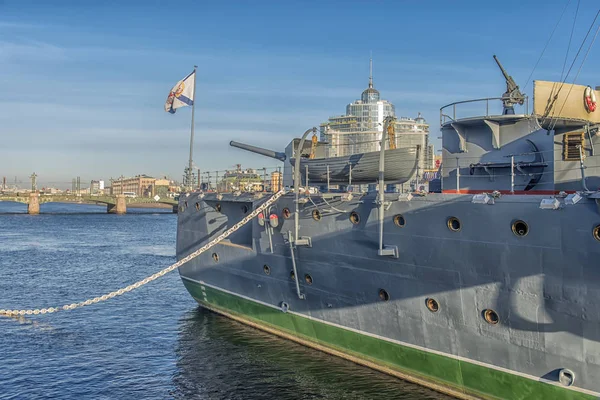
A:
x,y
445,118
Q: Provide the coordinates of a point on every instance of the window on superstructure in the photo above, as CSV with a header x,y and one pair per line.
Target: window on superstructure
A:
x,y
573,146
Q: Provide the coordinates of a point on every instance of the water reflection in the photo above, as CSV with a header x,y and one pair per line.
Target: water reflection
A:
x,y
218,358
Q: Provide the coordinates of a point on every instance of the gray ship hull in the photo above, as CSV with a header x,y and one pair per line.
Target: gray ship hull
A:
x,y
543,288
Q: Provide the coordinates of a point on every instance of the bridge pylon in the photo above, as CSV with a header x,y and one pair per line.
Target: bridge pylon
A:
x,y
119,208
33,207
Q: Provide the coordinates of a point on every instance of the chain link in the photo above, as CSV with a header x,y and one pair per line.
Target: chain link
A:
x,y
153,277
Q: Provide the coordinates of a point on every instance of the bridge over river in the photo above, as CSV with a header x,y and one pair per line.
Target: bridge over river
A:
x,y
114,204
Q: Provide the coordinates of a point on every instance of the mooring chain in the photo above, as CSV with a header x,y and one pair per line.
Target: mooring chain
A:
x,y
153,277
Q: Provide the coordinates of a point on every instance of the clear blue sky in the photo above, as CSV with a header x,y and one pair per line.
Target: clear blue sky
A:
x,y
84,83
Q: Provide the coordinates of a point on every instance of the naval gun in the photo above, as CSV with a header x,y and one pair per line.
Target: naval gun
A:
x,y
259,150
512,95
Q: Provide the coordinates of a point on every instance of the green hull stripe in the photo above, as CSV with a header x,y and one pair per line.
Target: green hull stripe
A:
x,y
459,375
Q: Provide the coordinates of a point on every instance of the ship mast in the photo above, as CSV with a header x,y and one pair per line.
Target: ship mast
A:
x,y
371,72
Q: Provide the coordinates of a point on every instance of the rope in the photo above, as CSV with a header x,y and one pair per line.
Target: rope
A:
x,y
332,207
553,99
562,73
579,70
153,277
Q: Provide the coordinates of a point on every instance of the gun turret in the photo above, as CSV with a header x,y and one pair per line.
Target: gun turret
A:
x,y
512,95
259,150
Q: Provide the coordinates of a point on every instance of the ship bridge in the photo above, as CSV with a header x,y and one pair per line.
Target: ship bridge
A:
x,y
501,144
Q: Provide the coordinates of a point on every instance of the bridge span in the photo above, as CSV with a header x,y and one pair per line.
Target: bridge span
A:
x,y
114,204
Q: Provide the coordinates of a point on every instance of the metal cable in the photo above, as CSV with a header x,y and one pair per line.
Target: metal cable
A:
x,y
570,40
579,70
551,104
548,42
326,202
191,256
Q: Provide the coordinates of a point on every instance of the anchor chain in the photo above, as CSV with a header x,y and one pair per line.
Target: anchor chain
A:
x,y
224,235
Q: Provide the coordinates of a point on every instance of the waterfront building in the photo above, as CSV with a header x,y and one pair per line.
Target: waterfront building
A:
x,y
164,187
360,129
245,180
95,187
141,185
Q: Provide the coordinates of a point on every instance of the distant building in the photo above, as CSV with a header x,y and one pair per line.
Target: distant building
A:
x,y
94,187
276,181
244,180
164,188
141,185
360,129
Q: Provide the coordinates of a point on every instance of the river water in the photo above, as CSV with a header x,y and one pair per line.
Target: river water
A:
x,y
152,343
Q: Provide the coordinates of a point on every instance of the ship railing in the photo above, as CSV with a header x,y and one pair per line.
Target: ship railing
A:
x,y
476,108
242,179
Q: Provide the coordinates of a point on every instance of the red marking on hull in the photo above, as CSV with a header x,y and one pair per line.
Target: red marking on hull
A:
x,y
532,192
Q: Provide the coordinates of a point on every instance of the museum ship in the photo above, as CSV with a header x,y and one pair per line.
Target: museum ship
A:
x,y
486,287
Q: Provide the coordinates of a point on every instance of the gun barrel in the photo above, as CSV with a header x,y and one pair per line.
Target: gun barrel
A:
x,y
259,150
501,67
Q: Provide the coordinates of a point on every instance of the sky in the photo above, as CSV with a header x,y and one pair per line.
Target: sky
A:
x,y
84,83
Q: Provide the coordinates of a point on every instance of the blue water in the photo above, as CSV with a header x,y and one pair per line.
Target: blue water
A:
x,y
152,343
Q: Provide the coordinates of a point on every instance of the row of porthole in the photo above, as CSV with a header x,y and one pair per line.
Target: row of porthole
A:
x,y
490,316
245,208
519,228
316,214
307,278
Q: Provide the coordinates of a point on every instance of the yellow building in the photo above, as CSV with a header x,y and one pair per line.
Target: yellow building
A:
x,y
164,187
276,181
140,185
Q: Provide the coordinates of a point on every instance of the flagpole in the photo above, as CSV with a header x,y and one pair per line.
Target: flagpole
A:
x,y
190,166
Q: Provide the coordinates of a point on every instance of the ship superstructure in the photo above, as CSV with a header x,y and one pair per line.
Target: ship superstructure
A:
x,y
488,289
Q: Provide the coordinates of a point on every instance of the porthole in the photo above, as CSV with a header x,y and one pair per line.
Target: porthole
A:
x,y
596,233
308,279
266,269
520,228
215,257
292,275
432,305
244,209
218,207
197,206
284,306
354,217
383,295
566,377
454,224
286,213
316,214
491,317
399,220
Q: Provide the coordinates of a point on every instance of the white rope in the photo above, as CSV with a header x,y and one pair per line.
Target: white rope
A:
x,y
224,235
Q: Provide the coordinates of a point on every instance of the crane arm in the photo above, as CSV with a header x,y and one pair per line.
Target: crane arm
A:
x,y
313,146
391,135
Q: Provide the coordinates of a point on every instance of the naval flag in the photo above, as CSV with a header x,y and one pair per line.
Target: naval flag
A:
x,y
182,94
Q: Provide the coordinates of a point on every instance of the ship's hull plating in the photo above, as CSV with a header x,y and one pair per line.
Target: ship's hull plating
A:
x,y
544,287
